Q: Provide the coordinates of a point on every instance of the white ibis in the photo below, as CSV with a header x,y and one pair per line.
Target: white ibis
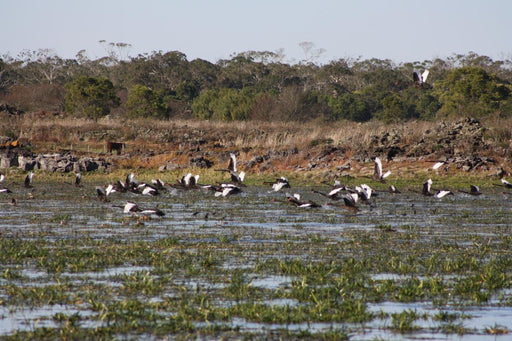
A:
x,y
2,177
378,174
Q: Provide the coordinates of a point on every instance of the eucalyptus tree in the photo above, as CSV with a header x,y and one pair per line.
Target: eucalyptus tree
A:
x,y
91,97
471,91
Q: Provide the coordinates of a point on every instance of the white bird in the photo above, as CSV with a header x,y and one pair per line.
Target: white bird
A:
x,y
443,193
2,177
378,174
438,165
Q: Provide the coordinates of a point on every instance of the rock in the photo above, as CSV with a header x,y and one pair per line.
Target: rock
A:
x,y
26,163
201,162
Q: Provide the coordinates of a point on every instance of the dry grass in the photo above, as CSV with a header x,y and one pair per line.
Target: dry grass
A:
x,y
152,143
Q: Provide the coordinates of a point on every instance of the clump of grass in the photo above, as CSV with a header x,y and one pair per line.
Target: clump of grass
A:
x,y
404,322
497,330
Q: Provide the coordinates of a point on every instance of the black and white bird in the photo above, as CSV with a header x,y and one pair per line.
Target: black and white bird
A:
x,y
236,177
78,180
393,189
295,199
146,189
158,184
28,180
379,174
226,190
351,199
334,194
420,79
187,181
506,183
473,190
427,187
280,183
103,193
131,207
364,191
5,190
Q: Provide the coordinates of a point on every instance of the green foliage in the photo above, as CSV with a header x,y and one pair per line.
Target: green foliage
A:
x,y
91,97
223,104
350,106
470,91
258,85
144,102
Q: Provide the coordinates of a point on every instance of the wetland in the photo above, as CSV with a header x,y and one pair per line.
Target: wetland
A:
x,y
251,266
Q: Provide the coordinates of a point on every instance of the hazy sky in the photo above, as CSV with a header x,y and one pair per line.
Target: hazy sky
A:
x,y
401,30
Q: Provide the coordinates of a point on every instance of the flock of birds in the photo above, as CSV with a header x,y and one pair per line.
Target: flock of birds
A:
x,y
339,195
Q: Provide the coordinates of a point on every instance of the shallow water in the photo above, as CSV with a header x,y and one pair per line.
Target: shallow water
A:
x,y
60,211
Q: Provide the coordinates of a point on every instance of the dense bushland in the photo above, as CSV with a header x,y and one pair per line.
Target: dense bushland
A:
x,y
256,86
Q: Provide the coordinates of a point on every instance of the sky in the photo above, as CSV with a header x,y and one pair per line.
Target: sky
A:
x,y
399,30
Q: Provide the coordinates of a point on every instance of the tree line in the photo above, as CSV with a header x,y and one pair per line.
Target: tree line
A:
x,y
256,85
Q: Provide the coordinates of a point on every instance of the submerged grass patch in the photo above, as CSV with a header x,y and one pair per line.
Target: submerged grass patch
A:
x,y
323,270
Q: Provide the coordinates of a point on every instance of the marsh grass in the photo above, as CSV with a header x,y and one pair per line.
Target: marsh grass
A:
x,y
169,276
